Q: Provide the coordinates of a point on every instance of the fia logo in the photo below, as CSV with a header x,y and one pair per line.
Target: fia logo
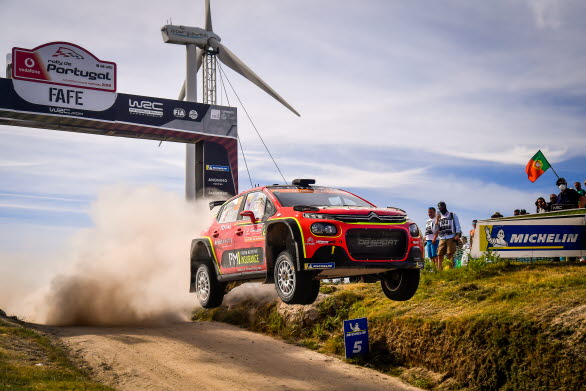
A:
x,y
179,112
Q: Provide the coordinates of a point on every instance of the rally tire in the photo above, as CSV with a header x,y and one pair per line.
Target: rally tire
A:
x,y
293,286
210,292
400,284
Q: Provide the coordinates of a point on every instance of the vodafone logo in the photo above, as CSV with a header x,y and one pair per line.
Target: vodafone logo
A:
x,y
29,62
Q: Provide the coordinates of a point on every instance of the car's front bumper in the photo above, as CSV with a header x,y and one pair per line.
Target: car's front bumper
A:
x,y
328,263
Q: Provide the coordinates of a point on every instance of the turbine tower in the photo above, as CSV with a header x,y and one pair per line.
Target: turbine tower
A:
x,y
204,43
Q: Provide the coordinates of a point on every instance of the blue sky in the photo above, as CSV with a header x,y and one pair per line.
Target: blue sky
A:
x,y
403,102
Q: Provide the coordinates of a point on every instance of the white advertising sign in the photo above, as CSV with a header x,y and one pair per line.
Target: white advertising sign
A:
x,y
61,96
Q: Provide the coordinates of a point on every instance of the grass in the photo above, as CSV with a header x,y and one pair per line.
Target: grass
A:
x,y
31,361
488,326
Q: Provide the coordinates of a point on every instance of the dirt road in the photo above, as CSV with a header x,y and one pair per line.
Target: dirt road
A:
x,y
212,356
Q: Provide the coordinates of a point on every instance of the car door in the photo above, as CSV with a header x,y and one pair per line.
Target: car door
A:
x,y
249,237
223,237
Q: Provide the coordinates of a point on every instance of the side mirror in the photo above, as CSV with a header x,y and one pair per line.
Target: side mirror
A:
x,y
248,213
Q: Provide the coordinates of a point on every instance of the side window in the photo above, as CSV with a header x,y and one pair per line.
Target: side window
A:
x,y
256,202
230,211
269,209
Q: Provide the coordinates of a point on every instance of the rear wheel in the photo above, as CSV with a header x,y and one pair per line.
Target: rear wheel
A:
x,y
293,286
401,284
210,292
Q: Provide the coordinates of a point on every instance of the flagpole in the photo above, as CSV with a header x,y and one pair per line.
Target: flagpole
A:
x,y
556,174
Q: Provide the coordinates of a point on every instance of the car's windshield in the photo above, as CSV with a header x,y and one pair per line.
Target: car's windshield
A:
x,y
317,197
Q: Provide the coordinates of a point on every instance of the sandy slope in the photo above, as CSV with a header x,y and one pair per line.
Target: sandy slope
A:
x,y
211,356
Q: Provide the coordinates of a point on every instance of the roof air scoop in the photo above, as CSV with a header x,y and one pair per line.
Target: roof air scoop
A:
x,y
303,182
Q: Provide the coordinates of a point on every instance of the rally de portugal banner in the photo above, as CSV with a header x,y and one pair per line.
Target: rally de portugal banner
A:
x,y
536,236
65,64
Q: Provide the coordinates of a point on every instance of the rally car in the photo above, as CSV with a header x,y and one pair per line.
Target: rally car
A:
x,y
296,235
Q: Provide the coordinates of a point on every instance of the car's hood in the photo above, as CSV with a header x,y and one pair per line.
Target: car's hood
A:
x,y
361,210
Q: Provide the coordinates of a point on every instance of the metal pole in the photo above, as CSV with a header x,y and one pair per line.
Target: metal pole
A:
x,y
556,174
190,96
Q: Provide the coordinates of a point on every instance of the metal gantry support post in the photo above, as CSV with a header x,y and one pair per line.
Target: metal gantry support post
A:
x,y
191,96
209,76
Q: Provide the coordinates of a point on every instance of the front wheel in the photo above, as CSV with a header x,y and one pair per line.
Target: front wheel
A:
x,y
401,284
210,292
293,286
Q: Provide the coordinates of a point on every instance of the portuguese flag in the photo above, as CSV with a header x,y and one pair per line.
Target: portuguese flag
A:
x,y
536,166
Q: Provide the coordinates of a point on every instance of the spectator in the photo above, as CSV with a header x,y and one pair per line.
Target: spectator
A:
x,y
447,228
430,246
553,199
472,231
496,215
516,212
569,196
541,205
578,187
522,212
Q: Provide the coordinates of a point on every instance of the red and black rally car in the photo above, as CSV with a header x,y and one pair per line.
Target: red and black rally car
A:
x,y
294,236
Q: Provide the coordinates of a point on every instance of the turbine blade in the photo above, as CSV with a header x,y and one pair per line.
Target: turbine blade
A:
x,y
198,59
233,62
208,16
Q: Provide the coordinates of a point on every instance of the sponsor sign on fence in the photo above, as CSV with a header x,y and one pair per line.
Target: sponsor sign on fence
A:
x,y
534,236
356,337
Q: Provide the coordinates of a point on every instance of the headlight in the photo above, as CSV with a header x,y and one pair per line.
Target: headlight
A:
x,y
324,229
317,216
414,230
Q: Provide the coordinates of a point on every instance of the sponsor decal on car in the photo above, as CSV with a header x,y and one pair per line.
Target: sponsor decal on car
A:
x,y
321,265
243,257
377,242
215,114
326,241
223,241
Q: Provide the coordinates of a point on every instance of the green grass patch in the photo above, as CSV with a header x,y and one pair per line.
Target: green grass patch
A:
x,y
30,361
493,325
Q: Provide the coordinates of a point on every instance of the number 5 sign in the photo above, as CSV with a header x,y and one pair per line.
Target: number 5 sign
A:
x,y
356,337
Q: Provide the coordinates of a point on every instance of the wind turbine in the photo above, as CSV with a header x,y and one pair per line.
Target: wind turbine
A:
x,y
196,41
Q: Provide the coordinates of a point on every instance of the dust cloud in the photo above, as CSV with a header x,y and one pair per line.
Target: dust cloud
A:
x,y
131,268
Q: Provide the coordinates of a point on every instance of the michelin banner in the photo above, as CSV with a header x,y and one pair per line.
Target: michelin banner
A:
x,y
533,236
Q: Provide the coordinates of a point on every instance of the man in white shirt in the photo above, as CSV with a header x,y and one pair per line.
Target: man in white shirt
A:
x,y
447,228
